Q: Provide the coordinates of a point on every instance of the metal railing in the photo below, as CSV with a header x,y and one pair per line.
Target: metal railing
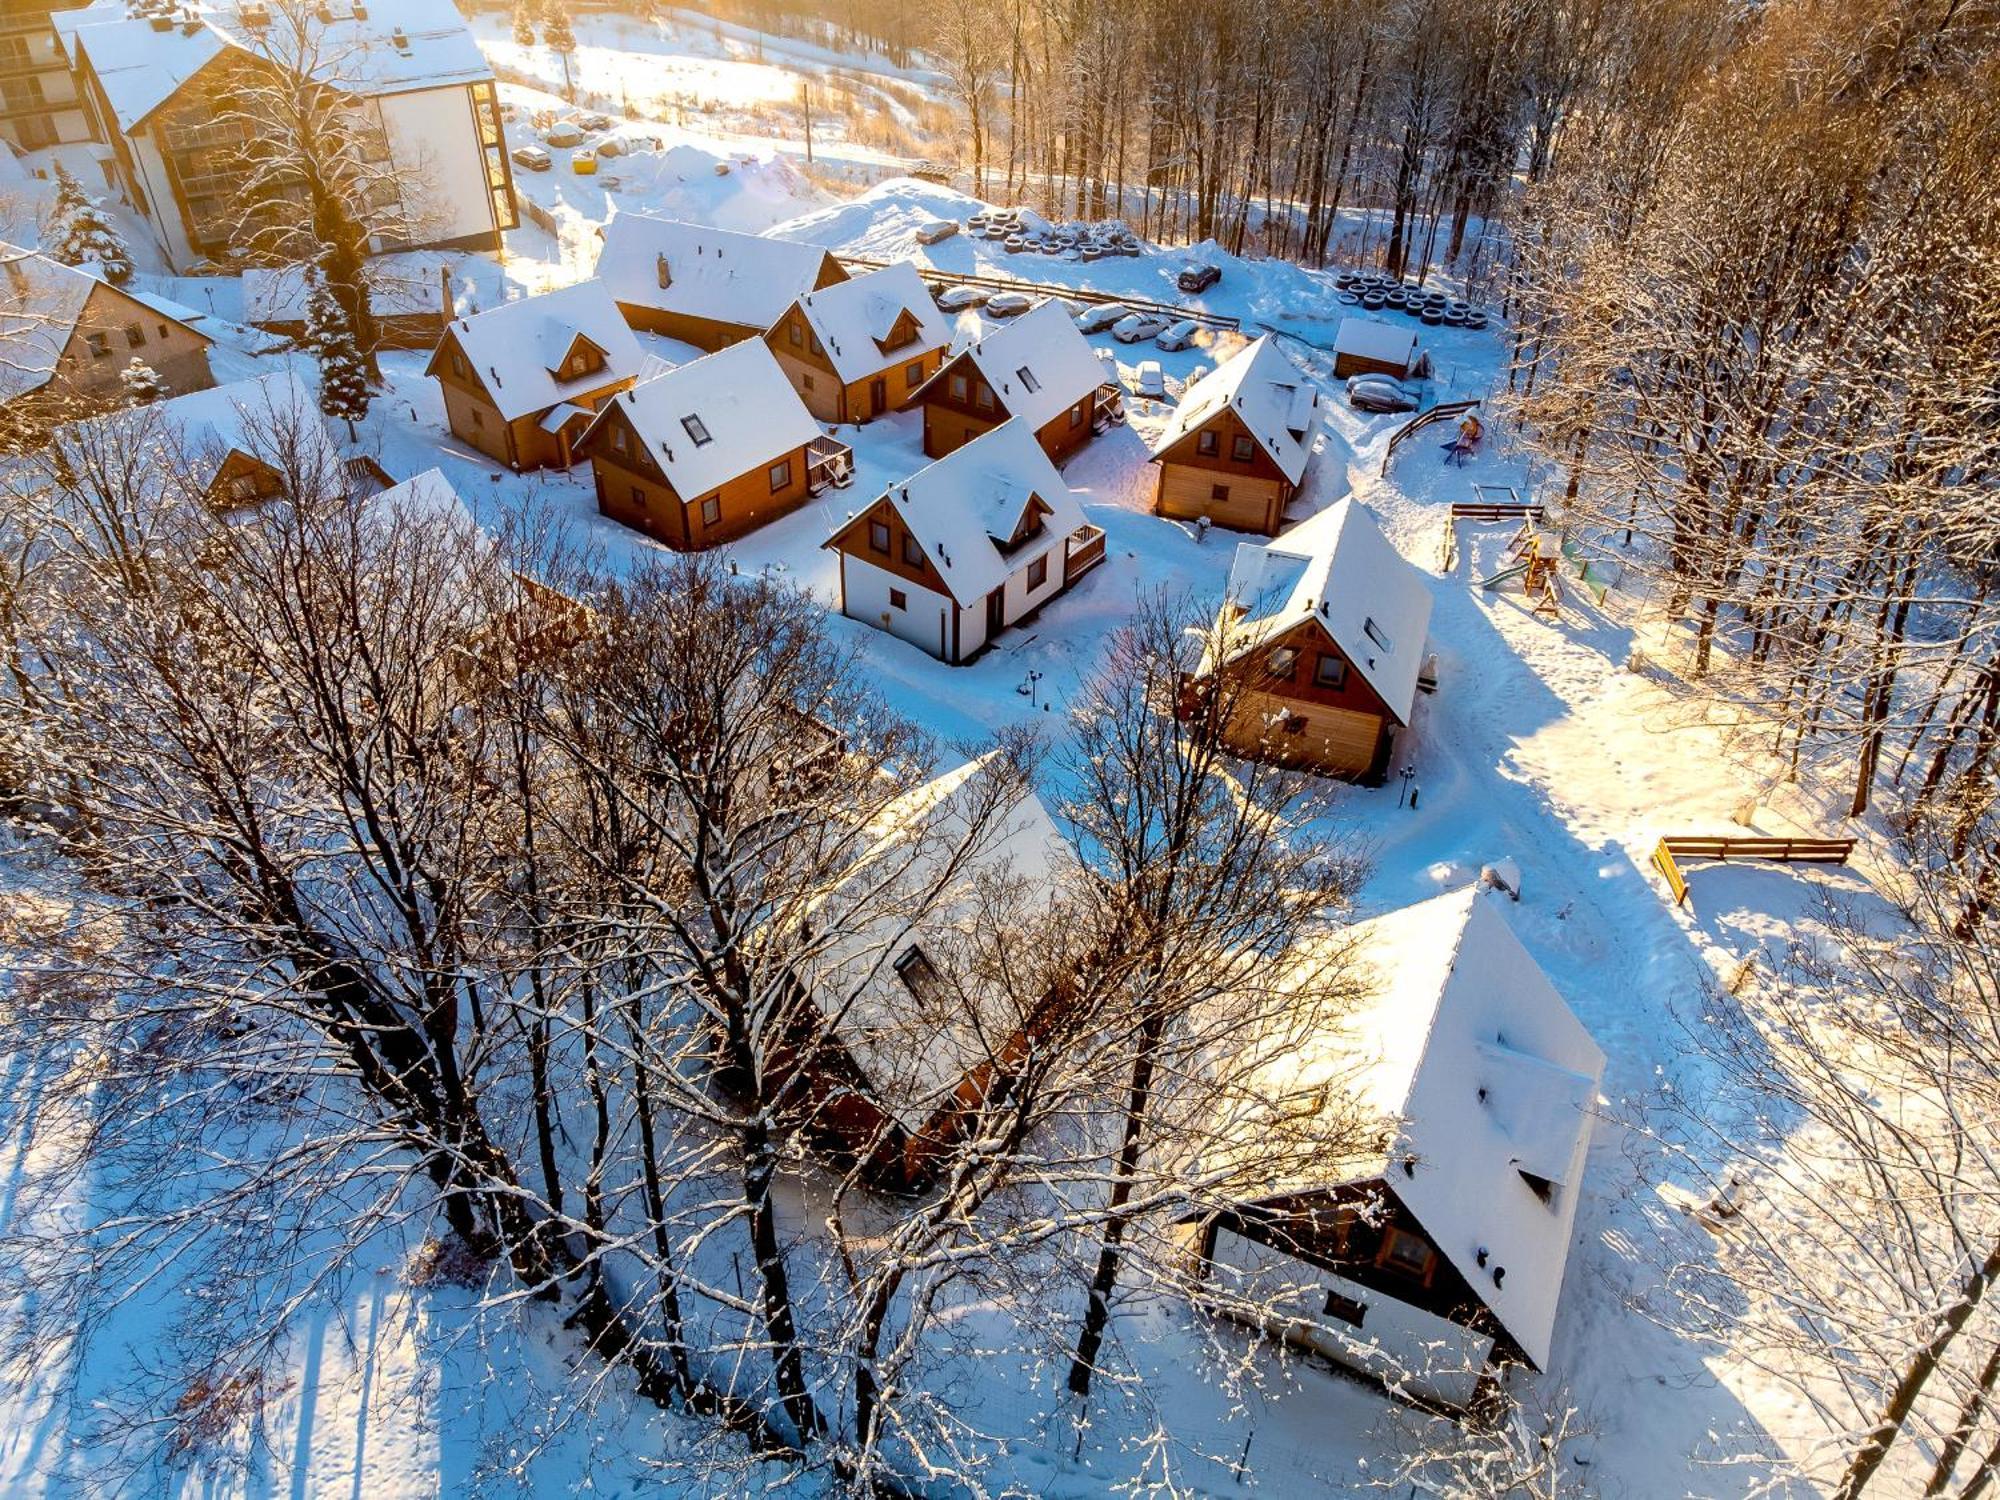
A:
x,y
1220,321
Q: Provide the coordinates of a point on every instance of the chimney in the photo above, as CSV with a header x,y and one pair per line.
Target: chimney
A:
x,y
445,308
661,271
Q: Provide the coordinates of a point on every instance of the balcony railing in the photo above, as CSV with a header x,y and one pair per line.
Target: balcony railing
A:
x,y
1108,410
1086,551
828,463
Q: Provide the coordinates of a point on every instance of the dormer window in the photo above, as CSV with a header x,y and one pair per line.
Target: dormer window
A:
x,y
920,976
584,358
1028,381
1375,633
696,431
1541,1187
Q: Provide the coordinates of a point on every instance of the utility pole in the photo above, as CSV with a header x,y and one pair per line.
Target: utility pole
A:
x,y
806,99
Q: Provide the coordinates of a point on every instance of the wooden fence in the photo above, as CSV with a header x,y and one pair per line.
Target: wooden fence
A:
x,y
1671,850
1172,310
1420,421
1515,509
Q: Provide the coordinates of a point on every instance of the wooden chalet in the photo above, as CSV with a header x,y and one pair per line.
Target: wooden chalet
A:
x,y
1238,447
1319,647
707,287
521,381
1368,346
710,450
1036,369
69,337
1438,1257
899,1031
861,347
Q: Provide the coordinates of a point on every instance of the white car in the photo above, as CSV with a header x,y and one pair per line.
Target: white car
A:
x,y
959,298
1008,304
1097,319
936,230
1150,380
1135,327
564,133
1179,336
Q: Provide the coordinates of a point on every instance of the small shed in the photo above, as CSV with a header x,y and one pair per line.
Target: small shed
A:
x,y
1366,346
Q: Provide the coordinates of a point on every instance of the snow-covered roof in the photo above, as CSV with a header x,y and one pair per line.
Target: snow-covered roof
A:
x,y
40,301
852,319
517,348
1275,401
1060,367
1336,567
1487,1075
737,399
913,1049
194,435
967,505
1371,338
362,49
711,273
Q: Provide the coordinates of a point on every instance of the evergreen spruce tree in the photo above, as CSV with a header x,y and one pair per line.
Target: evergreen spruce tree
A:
x,y
70,196
83,236
560,34
524,25
142,383
343,371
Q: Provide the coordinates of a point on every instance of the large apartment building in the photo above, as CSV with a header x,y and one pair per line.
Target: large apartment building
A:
x,y
158,88
38,102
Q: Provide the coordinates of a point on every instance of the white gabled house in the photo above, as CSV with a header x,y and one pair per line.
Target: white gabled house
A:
x,y
966,546
1441,1257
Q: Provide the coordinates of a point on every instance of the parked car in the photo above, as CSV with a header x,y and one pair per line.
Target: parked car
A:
x,y
1379,393
532,158
1104,315
609,146
1178,336
1198,278
958,298
564,133
1008,304
1150,380
594,121
583,162
1134,328
936,230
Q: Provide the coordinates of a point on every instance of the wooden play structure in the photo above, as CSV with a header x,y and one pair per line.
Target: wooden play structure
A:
x,y
1673,849
1489,503
1536,554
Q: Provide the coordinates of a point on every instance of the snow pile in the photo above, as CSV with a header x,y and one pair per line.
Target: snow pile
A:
x,y
884,220
743,190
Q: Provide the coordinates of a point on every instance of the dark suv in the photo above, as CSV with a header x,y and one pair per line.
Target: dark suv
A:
x,y
1198,278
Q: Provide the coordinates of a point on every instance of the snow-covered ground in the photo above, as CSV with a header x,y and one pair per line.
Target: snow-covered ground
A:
x,y
1540,746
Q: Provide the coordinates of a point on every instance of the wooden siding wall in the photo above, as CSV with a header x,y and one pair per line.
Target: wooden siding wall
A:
x,y
647,503
1345,730
131,330
853,539
1258,489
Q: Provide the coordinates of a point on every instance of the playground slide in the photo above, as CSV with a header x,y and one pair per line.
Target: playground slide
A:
x,y
1503,575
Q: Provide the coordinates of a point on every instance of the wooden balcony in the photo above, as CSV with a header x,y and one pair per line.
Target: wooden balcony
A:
x,y
828,463
1086,551
1108,410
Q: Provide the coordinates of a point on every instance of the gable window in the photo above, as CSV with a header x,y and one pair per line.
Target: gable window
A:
x,y
1375,633
1038,572
711,511
697,430
913,554
100,344
1283,660
1028,381
618,438
913,374
781,475
792,329
1218,492
813,343
1407,1253
163,330
1076,414
958,388
1242,450
898,599
878,536
805,380
1205,443
457,363
135,336
638,497
985,401
1345,1309
1329,671
919,975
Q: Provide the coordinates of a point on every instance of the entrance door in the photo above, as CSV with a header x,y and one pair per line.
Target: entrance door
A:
x,y
878,396
996,612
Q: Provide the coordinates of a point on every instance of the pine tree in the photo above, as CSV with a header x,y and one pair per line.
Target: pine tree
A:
x,y
83,236
524,25
142,383
560,35
343,371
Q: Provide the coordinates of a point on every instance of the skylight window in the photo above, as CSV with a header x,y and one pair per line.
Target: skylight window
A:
x,y
1376,634
697,431
1028,381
